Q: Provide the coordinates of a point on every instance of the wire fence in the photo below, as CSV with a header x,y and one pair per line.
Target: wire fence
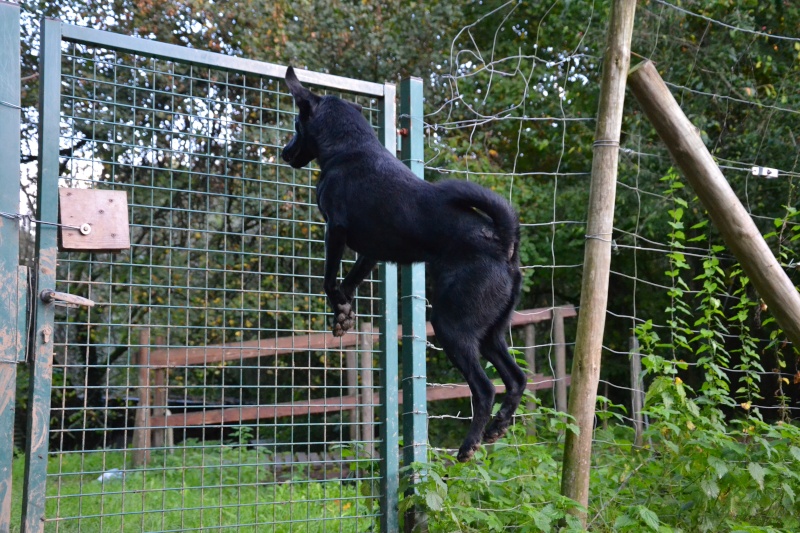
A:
x,y
509,111
203,391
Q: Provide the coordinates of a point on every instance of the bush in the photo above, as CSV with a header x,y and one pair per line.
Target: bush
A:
x,y
695,473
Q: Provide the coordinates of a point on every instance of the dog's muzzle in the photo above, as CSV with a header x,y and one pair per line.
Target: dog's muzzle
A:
x,y
289,153
297,153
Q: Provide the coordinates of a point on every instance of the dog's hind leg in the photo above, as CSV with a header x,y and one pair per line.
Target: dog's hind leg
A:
x,y
495,349
461,347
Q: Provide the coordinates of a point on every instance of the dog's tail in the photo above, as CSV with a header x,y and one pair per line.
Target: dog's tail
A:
x,y
504,218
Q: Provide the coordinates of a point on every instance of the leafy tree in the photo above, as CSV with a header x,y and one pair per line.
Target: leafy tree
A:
x,y
511,92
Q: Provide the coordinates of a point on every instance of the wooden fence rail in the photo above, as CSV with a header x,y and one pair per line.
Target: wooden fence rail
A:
x,y
154,427
180,356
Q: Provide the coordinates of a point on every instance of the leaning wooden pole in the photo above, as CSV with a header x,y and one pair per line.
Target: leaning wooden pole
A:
x,y
597,255
726,211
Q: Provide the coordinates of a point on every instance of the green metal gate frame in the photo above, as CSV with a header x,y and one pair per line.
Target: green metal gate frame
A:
x,y
12,280
53,34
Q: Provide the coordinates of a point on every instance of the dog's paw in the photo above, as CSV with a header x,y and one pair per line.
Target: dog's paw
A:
x,y
343,319
495,431
466,451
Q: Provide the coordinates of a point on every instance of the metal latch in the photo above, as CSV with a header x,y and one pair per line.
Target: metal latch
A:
x,y
50,296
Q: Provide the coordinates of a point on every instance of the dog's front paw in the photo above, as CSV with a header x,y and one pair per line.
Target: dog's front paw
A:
x,y
343,319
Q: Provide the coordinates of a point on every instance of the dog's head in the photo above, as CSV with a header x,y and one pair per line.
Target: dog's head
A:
x,y
314,120
302,148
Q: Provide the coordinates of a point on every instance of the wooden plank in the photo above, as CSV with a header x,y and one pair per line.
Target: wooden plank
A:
x,y
238,414
730,217
103,212
322,405
180,356
461,390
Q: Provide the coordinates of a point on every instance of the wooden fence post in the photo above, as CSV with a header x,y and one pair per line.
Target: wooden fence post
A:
x,y
141,430
351,376
530,358
637,392
161,436
597,257
560,345
730,217
367,395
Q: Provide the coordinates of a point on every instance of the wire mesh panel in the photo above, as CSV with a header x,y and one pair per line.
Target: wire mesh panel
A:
x,y
202,391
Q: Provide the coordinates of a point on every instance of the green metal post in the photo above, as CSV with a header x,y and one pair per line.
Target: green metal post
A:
x,y
412,289
41,368
390,431
9,247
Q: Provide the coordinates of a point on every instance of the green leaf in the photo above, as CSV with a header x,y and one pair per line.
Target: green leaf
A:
x,y
441,486
787,490
649,517
757,472
795,452
622,521
710,487
719,466
434,501
544,518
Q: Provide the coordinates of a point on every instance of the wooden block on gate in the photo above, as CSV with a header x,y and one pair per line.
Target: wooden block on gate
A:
x,y
98,220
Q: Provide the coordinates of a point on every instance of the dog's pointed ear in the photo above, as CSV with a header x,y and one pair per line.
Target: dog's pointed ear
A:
x,y
306,100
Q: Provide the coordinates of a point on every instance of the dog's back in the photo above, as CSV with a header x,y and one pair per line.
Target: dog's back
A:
x,y
392,215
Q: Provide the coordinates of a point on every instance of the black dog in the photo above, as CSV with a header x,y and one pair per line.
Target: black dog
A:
x,y
467,235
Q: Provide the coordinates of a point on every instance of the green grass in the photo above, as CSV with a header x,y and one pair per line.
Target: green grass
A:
x,y
210,488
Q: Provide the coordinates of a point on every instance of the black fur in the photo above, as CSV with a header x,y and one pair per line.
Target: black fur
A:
x,y
467,235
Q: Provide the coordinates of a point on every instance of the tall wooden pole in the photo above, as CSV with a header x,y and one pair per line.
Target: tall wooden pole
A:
x,y
597,257
726,211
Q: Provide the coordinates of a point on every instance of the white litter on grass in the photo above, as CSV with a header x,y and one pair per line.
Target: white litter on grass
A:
x,y
114,473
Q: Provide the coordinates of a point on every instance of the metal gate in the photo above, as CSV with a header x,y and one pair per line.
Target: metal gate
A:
x,y
202,391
